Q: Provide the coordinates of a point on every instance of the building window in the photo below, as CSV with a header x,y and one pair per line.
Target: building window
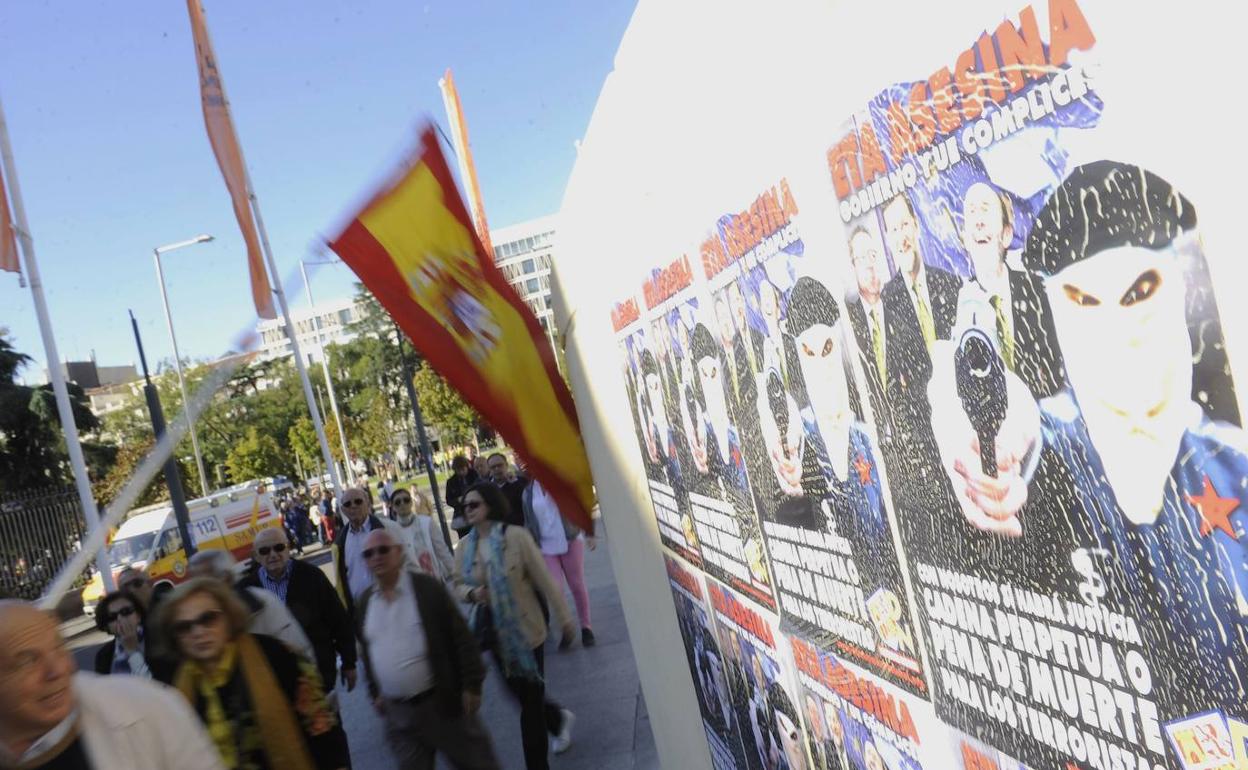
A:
x,y
530,266
550,301
531,285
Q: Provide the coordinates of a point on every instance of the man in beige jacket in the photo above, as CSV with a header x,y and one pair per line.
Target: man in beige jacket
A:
x,y
50,716
499,569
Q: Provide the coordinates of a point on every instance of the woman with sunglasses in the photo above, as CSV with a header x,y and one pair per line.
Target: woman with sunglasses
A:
x,y
427,550
500,570
121,614
263,705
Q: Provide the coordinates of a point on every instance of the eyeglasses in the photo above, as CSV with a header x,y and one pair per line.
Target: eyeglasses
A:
x,y
377,550
354,501
400,500
206,620
124,612
264,550
473,505
133,585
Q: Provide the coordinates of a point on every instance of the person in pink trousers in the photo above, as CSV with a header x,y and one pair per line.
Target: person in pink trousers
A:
x,y
563,547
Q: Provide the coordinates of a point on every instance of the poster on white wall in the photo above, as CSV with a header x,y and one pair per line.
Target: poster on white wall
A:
x,y
813,467
715,500
1061,435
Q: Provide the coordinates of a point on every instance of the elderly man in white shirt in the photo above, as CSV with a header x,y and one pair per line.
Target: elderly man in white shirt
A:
x,y
423,665
52,717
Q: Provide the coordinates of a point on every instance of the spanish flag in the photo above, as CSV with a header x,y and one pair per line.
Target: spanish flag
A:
x,y
415,249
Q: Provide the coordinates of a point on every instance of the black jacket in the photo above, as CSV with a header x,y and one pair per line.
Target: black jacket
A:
x,y
453,652
340,555
514,492
161,668
909,367
455,489
311,598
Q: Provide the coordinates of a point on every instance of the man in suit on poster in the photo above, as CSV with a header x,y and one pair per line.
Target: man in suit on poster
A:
x,y
920,308
920,303
1012,303
866,317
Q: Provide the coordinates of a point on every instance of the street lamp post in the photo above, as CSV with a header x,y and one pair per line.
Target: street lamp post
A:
x,y
177,358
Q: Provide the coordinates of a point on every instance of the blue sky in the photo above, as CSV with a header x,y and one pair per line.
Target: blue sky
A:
x,y
102,102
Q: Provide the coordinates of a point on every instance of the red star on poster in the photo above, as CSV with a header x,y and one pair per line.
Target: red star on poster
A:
x,y
863,467
1214,510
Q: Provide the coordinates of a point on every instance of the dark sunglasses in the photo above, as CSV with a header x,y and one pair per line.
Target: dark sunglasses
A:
x,y
473,505
377,550
354,501
265,550
132,585
400,500
206,620
124,612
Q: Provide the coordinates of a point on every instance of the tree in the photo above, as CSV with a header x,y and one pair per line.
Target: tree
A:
x,y
32,446
128,457
256,456
444,409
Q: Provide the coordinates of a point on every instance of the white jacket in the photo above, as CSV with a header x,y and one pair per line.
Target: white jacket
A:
x,y
138,724
275,619
422,536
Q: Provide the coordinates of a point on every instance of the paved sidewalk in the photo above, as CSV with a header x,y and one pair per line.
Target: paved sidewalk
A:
x,y
599,685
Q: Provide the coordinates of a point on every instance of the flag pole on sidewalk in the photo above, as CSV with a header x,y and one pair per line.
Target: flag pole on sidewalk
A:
x,y
64,409
223,136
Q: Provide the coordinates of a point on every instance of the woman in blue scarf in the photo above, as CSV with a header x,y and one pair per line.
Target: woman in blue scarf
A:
x,y
500,570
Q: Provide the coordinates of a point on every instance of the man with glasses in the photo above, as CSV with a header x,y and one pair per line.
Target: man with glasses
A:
x,y
423,666
311,598
513,488
354,577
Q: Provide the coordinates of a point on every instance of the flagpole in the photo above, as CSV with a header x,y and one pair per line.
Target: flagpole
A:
x,y
66,412
293,336
276,279
329,381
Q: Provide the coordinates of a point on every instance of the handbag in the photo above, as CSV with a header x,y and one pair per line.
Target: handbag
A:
x,y
481,619
482,624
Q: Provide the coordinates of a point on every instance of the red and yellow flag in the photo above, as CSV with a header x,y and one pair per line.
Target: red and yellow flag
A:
x,y
229,156
8,236
415,249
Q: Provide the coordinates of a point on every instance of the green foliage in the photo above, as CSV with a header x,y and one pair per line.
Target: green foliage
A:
x,y
32,447
444,409
257,455
126,459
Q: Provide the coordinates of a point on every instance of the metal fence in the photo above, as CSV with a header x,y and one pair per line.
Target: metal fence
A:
x,y
39,531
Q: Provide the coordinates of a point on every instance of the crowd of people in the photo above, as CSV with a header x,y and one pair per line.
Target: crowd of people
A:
x,y
243,665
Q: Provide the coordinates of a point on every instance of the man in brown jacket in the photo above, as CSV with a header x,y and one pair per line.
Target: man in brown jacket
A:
x,y
422,664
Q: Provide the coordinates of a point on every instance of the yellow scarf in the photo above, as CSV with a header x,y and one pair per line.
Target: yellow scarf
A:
x,y
283,742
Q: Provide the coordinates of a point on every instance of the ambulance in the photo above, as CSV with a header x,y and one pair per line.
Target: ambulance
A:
x,y
149,538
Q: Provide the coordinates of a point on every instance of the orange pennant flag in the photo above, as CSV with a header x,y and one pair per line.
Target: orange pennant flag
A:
x,y
229,154
415,249
8,235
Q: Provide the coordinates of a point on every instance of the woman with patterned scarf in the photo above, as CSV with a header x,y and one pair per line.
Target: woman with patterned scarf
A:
x,y
500,570
263,704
